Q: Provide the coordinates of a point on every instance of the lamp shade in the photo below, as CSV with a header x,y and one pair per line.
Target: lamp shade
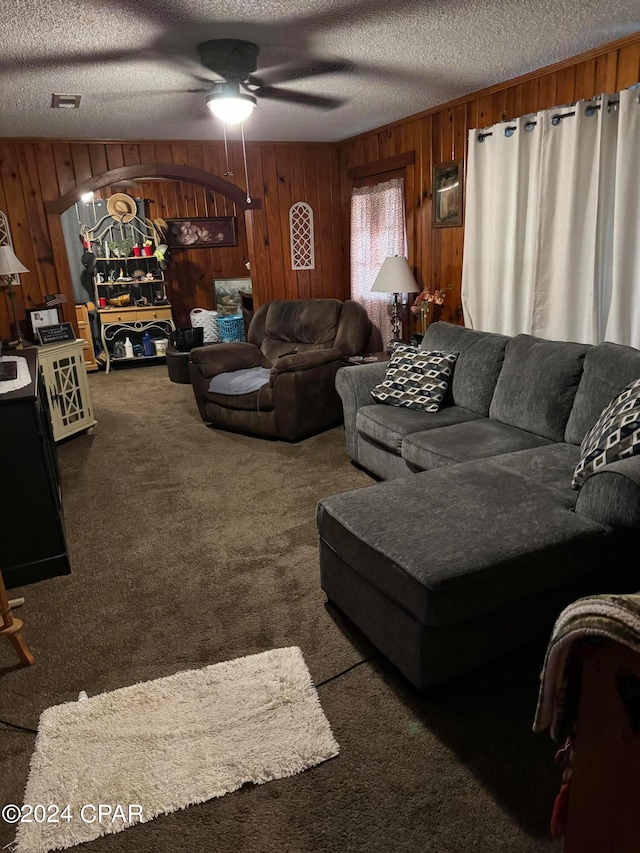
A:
x,y
9,264
395,276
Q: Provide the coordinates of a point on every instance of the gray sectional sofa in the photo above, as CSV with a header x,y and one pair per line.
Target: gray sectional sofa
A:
x,y
475,541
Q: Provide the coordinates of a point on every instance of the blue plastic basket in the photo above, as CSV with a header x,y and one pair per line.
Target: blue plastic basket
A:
x,y
231,328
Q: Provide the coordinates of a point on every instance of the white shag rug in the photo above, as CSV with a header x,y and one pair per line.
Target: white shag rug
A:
x,y
166,744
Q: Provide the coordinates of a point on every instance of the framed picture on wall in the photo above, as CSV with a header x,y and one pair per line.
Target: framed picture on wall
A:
x,y
204,232
447,194
228,293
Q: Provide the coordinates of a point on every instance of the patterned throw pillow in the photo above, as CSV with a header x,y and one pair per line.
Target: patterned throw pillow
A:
x,y
615,435
416,378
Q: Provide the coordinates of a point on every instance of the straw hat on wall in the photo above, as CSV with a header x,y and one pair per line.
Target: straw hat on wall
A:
x,y
121,207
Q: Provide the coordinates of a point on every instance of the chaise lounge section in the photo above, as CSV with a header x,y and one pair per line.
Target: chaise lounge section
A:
x,y
477,540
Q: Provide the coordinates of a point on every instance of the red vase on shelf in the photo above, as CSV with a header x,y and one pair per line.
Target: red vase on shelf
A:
x,y
146,250
136,251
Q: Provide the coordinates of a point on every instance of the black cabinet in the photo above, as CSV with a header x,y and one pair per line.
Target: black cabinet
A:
x,y
32,540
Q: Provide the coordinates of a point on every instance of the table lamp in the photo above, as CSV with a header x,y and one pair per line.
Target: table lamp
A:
x,y
9,266
395,277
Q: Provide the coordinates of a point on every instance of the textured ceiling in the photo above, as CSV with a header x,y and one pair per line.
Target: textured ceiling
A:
x,y
134,61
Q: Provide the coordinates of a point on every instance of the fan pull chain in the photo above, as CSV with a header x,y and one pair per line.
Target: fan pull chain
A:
x,y
228,173
244,159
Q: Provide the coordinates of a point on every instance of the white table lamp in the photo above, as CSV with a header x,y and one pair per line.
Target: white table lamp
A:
x,y
9,267
395,277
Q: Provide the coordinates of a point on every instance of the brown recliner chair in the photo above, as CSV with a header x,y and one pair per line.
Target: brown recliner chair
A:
x,y
302,343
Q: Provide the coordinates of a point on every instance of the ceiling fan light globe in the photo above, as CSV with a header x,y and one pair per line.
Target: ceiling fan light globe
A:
x,y
231,109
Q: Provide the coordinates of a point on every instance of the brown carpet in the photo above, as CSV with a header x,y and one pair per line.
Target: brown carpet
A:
x,y
191,546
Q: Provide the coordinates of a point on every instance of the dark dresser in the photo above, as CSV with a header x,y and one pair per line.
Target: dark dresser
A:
x,y
32,541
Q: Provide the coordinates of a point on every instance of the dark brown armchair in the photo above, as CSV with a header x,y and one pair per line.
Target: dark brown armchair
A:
x,y
301,343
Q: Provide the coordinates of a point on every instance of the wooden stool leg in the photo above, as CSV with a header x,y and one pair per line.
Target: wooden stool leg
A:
x,y
18,643
11,628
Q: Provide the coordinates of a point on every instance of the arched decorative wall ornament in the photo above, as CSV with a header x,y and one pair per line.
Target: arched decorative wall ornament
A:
x,y
301,230
5,236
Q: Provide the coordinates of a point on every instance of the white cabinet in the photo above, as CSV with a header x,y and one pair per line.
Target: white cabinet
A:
x,y
65,379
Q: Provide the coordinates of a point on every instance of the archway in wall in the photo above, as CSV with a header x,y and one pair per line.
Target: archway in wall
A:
x,y
168,171
171,171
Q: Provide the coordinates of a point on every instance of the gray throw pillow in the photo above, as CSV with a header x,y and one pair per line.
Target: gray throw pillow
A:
x,y
615,435
415,378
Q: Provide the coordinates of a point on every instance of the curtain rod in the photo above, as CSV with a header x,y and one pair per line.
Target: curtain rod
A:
x,y
590,110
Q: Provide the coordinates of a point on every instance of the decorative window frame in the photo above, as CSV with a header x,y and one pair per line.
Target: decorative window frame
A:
x,y
302,236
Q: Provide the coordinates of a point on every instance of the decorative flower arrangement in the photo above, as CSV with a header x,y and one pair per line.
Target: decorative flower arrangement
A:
x,y
422,306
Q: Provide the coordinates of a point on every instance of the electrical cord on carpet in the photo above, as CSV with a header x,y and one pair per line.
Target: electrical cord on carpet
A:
x,y
348,669
320,684
18,728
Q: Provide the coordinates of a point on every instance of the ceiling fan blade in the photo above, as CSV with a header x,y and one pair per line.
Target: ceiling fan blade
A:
x,y
313,68
141,94
70,59
276,94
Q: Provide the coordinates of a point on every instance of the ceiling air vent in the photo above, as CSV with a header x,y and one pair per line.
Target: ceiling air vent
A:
x,y
65,102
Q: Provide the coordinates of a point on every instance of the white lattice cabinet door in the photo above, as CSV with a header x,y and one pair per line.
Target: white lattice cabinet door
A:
x,y
65,378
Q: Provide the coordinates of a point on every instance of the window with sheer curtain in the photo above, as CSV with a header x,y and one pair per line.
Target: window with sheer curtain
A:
x,y
377,231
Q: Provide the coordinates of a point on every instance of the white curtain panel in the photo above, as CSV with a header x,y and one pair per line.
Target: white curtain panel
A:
x,y
501,220
377,232
552,224
623,319
575,213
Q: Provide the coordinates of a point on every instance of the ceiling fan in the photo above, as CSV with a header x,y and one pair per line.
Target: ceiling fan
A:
x,y
234,97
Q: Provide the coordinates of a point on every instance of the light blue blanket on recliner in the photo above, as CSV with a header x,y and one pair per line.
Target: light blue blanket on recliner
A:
x,y
240,381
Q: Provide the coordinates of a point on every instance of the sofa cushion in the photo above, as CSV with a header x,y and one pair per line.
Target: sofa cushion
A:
x,y
464,441
480,357
448,545
608,368
550,466
415,379
615,435
388,425
537,385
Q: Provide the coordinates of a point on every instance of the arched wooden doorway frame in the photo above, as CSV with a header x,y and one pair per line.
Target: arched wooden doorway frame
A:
x,y
171,171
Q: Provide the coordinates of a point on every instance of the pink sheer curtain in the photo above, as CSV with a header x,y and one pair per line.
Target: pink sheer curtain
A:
x,y
377,231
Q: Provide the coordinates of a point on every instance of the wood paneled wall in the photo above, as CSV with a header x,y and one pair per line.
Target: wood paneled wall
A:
x,y
33,172
435,254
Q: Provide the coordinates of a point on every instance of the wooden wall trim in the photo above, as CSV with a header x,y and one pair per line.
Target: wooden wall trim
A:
x,y
463,100
388,164
171,171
